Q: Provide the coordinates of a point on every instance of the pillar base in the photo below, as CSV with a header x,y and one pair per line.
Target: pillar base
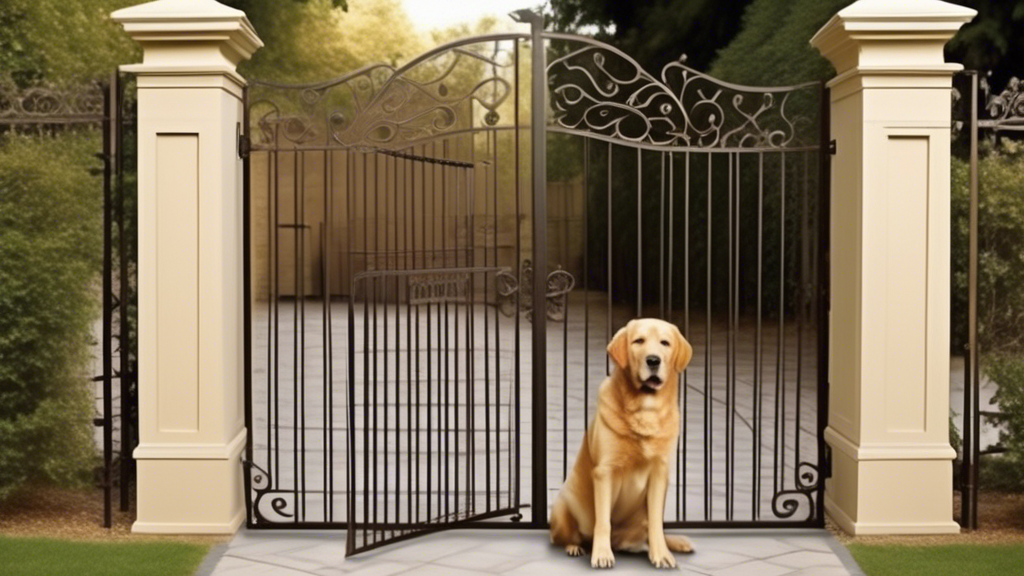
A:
x,y
890,490
190,489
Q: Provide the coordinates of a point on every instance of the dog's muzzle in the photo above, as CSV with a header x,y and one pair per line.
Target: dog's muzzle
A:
x,y
653,381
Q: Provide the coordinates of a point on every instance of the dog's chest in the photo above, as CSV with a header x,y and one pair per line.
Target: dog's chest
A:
x,y
648,418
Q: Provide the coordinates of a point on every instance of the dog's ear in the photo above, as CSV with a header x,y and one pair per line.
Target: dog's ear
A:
x,y
684,352
618,348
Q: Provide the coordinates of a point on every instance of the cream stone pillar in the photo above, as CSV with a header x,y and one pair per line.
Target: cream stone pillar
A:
x,y
888,424
191,402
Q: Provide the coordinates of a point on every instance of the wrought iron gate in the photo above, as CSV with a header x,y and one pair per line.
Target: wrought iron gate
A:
x,y
438,254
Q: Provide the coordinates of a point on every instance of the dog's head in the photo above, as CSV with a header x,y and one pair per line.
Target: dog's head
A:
x,y
650,352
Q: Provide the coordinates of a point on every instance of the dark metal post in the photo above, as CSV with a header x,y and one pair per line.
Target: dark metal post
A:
x,y
538,132
243,151
108,303
972,420
124,339
823,324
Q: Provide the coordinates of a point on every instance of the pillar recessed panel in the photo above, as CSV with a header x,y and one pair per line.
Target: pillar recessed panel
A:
x,y
177,282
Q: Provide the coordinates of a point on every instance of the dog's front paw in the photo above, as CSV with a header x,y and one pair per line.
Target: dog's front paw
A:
x,y
602,557
574,550
661,557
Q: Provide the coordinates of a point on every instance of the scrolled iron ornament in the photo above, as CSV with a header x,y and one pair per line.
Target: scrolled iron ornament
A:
x,y
1008,105
785,503
381,107
599,91
43,104
508,287
560,284
808,476
269,506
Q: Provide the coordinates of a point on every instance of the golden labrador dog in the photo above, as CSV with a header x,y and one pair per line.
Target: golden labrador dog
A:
x,y
615,496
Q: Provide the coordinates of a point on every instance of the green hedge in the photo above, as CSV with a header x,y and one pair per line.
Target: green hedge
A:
x,y
50,258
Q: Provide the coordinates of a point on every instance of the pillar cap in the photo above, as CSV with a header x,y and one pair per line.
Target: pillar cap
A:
x,y
902,34
168,25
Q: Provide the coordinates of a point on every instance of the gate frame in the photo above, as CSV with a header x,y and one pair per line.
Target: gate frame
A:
x,y
825,147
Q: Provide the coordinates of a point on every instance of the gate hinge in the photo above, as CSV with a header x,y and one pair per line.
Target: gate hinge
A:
x,y
244,146
828,461
832,147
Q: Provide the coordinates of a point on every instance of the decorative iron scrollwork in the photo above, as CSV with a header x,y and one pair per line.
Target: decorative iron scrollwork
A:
x,y
380,107
269,506
1007,107
560,283
785,503
598,90
1005,110
45,104
438,288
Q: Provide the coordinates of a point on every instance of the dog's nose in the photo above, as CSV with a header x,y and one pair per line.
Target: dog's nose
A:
x,y
653,361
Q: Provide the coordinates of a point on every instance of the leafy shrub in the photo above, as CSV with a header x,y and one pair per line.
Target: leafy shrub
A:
x,y
1006,471
50,256
1000,248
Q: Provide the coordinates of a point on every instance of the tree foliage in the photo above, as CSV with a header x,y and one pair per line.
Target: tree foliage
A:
x,y
314,40
62,43
656,32
773,46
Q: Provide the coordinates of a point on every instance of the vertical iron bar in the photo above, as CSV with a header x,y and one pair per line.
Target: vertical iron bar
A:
x,y
518,264
409,244
730,279
971,439
608,315
639,234
108,307
246,318
325,299
538,112
686,319
271,306
708,409
328,240
801,305
779,446
668,292
295,335
301,310
662,282
586,284
275,297
758,382
823,286
124,338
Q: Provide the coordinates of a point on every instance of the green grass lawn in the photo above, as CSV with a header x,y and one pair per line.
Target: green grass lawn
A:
x,y
955,559
48,557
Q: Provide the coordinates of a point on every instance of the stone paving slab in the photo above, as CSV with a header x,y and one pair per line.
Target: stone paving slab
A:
x,y
775,552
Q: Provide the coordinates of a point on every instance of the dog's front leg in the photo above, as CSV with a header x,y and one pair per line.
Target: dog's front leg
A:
x,y
601,556
657,486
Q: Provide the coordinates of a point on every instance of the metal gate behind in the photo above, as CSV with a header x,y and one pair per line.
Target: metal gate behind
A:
x,y
429,313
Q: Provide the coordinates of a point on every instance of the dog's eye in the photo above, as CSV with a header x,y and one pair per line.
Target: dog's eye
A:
x,y
665,343
638,341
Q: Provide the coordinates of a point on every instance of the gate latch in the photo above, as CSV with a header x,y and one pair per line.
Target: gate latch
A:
x,y
832,147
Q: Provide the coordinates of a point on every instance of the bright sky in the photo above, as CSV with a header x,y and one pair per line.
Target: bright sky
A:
x,y
431,14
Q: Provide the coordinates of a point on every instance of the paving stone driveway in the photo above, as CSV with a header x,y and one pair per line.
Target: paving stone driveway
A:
x,y
523,552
